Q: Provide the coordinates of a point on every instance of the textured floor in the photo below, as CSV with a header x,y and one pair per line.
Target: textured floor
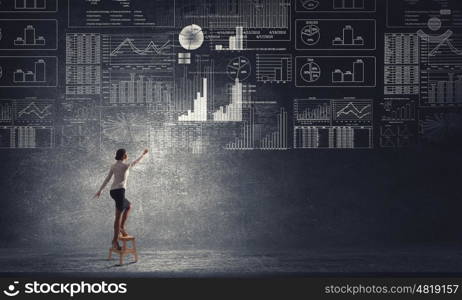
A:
x,y
200,263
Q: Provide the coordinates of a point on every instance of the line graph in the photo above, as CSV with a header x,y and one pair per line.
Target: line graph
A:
x,y
151,48
333,112
351,109
155,50
27,112
355,110
33,109
135,68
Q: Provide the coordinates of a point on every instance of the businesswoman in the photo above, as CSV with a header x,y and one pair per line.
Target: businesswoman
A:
x,y
120,169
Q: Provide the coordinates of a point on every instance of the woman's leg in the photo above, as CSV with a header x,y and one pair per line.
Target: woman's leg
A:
x,y
116,227
124,219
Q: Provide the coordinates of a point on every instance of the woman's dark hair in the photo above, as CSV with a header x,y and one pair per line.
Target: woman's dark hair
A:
x,y
120,154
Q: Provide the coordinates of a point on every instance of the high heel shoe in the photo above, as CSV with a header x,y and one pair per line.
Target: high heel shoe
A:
x,y
123,233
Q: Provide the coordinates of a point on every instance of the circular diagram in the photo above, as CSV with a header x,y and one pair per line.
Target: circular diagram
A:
x,y
191,37
239,68
310,4
434,24
310,72
310,34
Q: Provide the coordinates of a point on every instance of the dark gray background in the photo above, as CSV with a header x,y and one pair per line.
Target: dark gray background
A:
x,y
258,200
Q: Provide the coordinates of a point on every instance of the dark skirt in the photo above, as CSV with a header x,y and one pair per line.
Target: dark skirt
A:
x,y
121,202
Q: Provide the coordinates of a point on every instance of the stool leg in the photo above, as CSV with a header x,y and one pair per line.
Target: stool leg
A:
x,y
121,259
110,254
134,249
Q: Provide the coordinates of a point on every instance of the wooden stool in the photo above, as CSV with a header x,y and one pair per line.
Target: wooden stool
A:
x,y
125,250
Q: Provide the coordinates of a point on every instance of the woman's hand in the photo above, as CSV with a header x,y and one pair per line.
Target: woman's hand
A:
x,y
145,151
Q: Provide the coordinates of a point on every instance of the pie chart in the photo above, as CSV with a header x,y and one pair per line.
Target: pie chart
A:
x,y
310,34
239,68
191,37
310,4
310,72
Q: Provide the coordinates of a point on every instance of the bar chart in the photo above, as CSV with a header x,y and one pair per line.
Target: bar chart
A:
x,y
187,85
246,138
349,4
445,89
6,111
199,110
233,111
30,38
274,68
235,42
335,6
355,75
312,111
396,110
38,74
348,38
335,34
29,71
139,89
30,4
277,140
335,71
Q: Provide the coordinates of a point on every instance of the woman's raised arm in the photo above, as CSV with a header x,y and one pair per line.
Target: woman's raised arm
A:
x,y
145,151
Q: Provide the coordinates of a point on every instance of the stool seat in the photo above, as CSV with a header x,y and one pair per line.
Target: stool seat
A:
x,y
125,249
